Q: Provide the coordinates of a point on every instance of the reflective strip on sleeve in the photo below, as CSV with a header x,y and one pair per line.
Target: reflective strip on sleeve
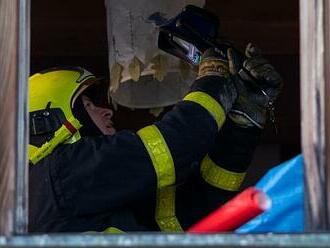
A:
x,y
165,210
160,155
163,163
219,177
208,103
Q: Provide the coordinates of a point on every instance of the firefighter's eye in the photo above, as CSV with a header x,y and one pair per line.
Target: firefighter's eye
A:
x,y
88,104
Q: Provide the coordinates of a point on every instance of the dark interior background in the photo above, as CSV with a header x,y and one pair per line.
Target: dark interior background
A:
x,y
74,33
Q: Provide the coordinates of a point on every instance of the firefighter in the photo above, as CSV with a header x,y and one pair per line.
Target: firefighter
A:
x,y
84,183
219,175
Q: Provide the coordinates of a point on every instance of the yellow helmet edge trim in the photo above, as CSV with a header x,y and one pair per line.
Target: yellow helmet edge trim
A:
x,y
61,135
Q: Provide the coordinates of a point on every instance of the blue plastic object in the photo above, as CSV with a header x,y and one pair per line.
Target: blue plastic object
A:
x,y
284,185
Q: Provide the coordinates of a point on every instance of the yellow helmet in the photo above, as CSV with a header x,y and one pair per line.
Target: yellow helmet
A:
x,y
52,94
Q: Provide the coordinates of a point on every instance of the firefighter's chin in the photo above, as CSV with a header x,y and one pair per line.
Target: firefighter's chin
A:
x,y
109,131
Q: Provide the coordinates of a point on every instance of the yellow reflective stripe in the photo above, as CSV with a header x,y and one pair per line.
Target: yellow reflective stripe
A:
x,y
160,155
73,139
113,230
32,150
163,164
60,136
165,210
109,230
210,104
220,177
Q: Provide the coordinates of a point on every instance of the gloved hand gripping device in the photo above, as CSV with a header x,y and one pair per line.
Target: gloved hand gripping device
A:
x,y
189,34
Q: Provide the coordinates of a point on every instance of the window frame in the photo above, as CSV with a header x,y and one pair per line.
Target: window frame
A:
x,y
315,110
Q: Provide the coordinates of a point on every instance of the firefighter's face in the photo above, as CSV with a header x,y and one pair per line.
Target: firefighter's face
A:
x,y
102,117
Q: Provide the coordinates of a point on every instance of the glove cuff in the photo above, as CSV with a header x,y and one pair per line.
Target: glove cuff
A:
x,y
221,89
212,66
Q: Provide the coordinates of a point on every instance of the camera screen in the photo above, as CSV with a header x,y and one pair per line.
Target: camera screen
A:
x,y
191,52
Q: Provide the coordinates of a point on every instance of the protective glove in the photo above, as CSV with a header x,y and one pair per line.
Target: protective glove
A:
x,y
258,86
218,67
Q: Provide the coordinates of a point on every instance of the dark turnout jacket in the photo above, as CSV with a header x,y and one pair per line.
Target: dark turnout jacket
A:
x,y
113,181
195,198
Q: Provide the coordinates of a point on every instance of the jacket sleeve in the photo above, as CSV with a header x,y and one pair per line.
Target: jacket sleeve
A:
x,y
102,173
224,168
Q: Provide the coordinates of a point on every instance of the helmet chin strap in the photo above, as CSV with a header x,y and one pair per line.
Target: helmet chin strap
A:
x,y
68,129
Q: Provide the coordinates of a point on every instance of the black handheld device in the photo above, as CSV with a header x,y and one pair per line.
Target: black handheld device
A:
x,y
189,34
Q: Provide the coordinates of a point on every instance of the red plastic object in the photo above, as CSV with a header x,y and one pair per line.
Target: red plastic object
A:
x,y
236,212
